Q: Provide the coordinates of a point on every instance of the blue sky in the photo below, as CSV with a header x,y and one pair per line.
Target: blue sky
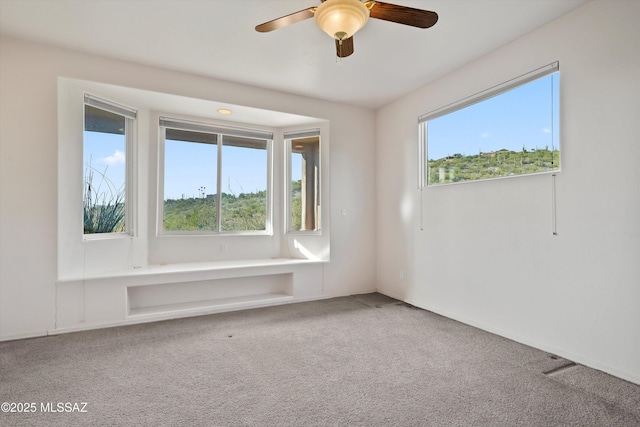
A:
x,y
189,167
522,116
105,153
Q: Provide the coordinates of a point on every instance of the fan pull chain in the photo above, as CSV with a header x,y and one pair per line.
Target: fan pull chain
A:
x,y
339,53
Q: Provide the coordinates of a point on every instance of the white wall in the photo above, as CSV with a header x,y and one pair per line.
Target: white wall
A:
x,y
29,75
486,255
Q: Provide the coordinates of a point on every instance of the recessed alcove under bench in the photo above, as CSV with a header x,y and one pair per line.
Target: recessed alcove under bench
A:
x,y
159,292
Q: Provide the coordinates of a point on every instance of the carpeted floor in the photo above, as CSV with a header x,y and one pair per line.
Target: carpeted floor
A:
x,y
365,360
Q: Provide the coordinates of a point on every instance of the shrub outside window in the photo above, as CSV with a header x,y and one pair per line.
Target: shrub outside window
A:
x,y
107,147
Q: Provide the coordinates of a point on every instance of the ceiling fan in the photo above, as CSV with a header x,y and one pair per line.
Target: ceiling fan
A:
x,y
341,19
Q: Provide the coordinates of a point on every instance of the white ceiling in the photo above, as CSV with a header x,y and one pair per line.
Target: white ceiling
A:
x,y
216,38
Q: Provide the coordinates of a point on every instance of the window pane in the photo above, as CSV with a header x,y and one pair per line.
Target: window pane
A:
x,y
304,197
513,133
190,183
244,184
296,191
104,172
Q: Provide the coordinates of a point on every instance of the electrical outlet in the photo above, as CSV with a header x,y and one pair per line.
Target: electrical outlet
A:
x,y
401,274
224,248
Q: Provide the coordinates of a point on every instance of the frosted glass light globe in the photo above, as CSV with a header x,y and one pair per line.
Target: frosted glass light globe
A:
x,y
341,19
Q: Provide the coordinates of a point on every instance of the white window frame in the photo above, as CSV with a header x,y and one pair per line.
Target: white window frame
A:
x,y
288,138
219,130
423,156
131,187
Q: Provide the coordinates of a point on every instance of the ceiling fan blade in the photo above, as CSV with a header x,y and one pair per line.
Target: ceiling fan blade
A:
x,y
345,49
403,15
283,21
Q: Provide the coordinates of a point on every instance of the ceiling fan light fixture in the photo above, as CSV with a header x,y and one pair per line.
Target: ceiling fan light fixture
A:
x,y
341,19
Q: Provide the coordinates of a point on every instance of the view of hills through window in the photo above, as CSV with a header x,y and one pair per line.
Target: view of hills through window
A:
x,y
199,197
193,187
513,133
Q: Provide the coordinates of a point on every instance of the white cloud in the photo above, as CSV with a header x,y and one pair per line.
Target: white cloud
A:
x,y
485,135
546,130
117,158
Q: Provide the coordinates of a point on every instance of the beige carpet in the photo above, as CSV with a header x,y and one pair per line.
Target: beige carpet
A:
x,y
356,361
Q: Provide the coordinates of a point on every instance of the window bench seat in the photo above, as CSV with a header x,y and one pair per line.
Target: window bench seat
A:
x,y
157,292
154,274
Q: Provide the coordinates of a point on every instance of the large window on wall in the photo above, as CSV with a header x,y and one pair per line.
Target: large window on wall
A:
x,y
509,130
215,179
303,180
107,150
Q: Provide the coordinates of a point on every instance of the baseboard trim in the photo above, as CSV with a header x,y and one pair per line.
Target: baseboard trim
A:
x,y
628,376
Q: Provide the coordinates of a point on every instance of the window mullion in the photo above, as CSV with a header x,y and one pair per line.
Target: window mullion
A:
x,y
131,194
161,180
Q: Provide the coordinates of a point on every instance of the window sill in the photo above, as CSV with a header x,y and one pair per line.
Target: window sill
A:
x,y
169,273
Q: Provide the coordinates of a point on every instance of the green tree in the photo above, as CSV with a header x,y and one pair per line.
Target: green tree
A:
x,y
296,205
